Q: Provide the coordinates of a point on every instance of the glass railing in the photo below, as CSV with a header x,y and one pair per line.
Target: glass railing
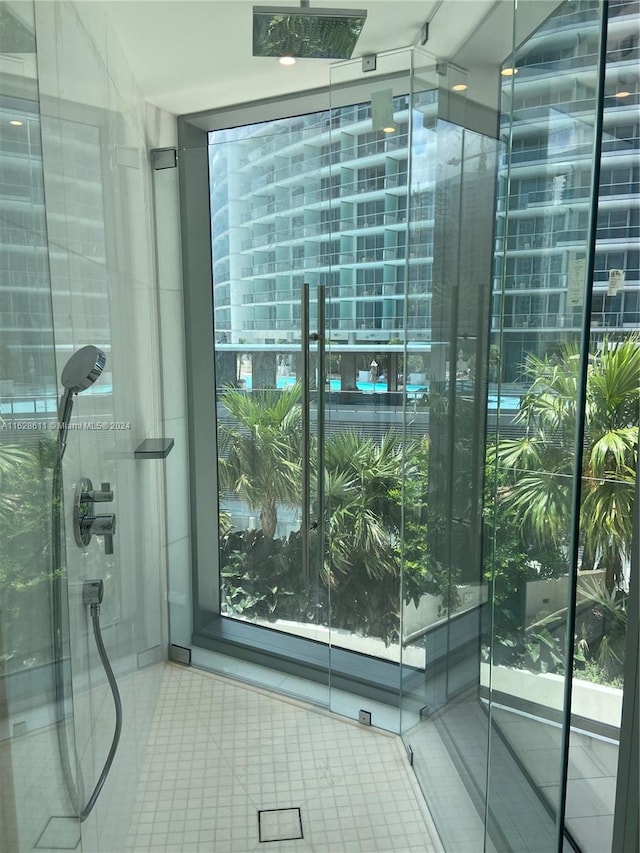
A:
x,y
551,281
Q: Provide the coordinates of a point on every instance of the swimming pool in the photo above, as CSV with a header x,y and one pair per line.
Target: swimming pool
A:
x,y
414,392
49,403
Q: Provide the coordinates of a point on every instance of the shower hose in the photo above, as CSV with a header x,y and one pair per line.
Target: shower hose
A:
x,y
76,794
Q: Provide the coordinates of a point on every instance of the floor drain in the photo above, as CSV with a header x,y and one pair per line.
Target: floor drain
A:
x,y
60,833
279,824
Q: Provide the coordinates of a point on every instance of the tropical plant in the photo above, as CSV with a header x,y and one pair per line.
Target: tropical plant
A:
x,y
363,524
613,419
511,562
543,651
260,450
261,578
601,628
599,641
375,521
541,462
12,459
422,574
25,558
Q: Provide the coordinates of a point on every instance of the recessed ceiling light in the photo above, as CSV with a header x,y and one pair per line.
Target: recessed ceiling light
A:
x,y
622,94
509,72
16,122
389,129
459,87
287,60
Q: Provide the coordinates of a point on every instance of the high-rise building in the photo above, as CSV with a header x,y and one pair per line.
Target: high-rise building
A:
x,y
545,184
326,199
320,198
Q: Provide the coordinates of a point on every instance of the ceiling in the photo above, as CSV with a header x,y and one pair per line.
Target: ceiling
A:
x,y
192,55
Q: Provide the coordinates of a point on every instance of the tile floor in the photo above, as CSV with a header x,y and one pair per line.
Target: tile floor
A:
x,y
451,753
456,816
34,805
219,752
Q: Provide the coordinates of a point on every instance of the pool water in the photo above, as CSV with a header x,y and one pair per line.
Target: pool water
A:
x,y
509,403
49,403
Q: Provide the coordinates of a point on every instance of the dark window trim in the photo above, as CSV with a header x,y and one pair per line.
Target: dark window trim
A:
x,y
452,643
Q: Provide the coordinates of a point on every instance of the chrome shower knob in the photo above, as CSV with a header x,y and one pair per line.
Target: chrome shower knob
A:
x,y
85,522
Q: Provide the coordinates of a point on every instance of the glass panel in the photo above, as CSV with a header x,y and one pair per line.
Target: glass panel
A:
x,y
365,430
447,215
542,248
319,199
267,198
610,463
453,177
32,780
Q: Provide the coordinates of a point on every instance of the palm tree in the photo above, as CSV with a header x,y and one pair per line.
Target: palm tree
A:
x,y
260,450
364,524
541,462
613,418
12,459
25,509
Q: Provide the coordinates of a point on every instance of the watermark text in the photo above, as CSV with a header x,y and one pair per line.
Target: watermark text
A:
x,y
25,426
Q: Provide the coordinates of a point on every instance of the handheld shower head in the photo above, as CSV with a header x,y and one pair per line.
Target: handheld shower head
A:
x,y
78,374
83,368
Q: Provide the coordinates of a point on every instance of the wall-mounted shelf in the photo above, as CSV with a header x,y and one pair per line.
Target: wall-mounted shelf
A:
x,y
154,448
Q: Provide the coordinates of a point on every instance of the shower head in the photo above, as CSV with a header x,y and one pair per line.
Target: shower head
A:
x,y
78,374
306,33
82,369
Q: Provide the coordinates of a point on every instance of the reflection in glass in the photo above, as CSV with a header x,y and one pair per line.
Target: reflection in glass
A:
x,y
610,463
28,404
539,300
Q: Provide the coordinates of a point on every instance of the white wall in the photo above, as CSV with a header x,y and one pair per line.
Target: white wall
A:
x,y
99,201
162,133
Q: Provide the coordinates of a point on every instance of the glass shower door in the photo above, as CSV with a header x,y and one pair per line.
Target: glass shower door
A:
x,y
365,430
485,710
407,338
261,582
444,603
34,646
315,203
540,556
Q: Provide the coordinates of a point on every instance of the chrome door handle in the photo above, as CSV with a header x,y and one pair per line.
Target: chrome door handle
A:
x,y
305,478
307,524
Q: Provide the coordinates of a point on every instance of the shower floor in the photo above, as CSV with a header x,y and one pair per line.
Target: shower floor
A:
x,y
228,765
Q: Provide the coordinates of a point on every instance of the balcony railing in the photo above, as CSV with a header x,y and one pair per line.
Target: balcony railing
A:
x,y
608,319
532,155
534,282
534,321
370,185
370,220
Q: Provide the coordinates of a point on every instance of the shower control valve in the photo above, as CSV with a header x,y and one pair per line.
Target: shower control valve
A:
x,y
103,495
86,523
99,525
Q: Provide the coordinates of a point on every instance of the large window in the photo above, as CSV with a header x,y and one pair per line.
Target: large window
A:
x,y
358,254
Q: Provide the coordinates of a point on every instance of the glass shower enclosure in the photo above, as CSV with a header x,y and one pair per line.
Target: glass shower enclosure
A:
x,y
30,719
400,275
